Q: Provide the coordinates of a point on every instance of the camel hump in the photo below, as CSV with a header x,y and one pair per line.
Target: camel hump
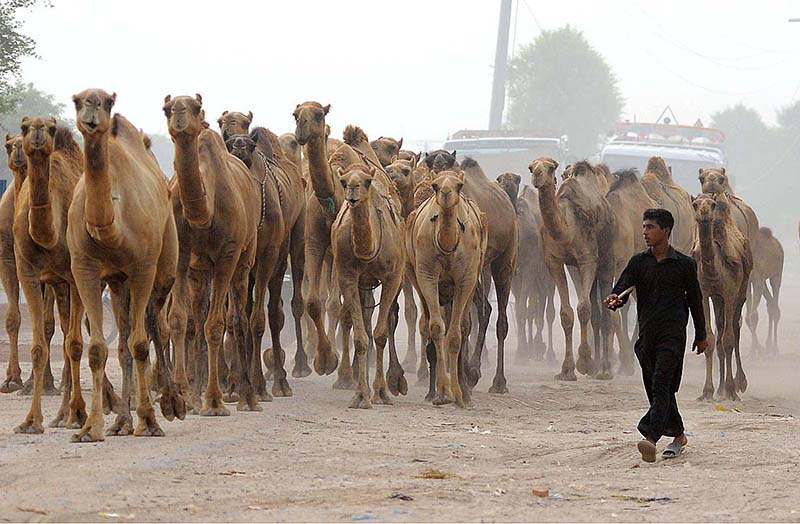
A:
x,y
354,135
268,139
765,232
65,141
623,178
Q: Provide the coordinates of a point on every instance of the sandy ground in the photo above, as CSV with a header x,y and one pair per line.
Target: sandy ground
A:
x,y
309,458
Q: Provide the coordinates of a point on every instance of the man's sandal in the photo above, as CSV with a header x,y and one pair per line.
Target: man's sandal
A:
x,y
672,451
648,450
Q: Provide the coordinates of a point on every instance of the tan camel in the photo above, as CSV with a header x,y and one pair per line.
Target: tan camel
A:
x,y
121,232
724,263
768,267
657,181
18,165
292,150
366,240
577,229
217,206
42,256
280,234
445,241
234,123
386,149
532,287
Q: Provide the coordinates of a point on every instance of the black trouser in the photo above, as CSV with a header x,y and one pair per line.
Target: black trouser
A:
x,y
661,360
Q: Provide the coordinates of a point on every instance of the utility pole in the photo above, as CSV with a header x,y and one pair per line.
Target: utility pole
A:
x,y
500,67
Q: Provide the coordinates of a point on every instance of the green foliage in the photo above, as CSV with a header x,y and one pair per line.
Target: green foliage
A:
x,y
14,46
560,83
31,102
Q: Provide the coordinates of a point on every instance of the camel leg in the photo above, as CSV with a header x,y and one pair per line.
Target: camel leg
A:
x,y
708,387
120,305
229,353
523,351
550,311
325,359
345,377
261,275
367,307
8,275
755,290
298,255
567,319
395,375
774,312
390,289
72,413
607,322
481,301
280,386
178,319
740,381
728,341
461,299
719,320
588,273
537,303
502,273
410,314
49,388
200,290
352,302
248,400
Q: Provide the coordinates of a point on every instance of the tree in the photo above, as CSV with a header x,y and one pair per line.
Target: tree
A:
x,y
14,46
746,139
29,101
559,82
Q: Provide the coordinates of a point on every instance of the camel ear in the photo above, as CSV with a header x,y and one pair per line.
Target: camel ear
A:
x,y
249,117
394,159
454,153
700,171
167,99
461,176
723,170
219,120
326,109
198,98
435,186
459,187
8,137
109,102
202,115
517,178
24,125
400,144
51,126
77,101
371,171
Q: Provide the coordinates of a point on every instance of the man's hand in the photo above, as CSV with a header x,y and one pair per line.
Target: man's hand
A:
x,y
700,346
612,302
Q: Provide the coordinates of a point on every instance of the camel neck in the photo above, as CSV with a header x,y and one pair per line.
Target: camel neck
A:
x,y
40,214
193,193
319,170
551,214
364,244
19,177
407,199
447,237
705,236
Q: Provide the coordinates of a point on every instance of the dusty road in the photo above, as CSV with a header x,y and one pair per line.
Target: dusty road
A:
x,y
309,458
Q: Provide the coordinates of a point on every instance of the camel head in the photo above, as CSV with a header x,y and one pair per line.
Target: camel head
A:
x,y
713,180
386,148
401,172
234,123
356,181
242,147
185,115
543,172
289,144
710,206
16,155
404,154
510,183
440,160
310,120
658,167
93,107
447,186
38,135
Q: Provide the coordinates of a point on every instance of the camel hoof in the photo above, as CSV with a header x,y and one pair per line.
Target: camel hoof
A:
x,y
230,397
345,381
740,382
122,426
172,405
326,362
29,428
214,408
301,370
585,366
264,396
360,401
396,380
441,399
604,375
567,376
27,388
499,388
60,420
10,385
281,388
88,435
49,390
149,431
707,396
381,396
473,375
252,405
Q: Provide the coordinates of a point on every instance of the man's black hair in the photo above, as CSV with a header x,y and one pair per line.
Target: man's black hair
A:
x,y
662,217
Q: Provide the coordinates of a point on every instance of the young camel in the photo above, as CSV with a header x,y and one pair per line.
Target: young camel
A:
x,y
42,256
121,232
724,264
217,205
768,267
366,240
446,240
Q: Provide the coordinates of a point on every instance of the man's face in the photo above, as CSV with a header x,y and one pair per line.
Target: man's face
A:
x,y
653,234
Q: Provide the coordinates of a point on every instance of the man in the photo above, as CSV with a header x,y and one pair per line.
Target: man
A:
x,y
666,290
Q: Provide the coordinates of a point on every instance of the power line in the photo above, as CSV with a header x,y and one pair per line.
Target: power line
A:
x,y
535,20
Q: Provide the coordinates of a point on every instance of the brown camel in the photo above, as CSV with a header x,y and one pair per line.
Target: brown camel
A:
x,y
234,123
628,200
292,150
446,240
724,263
281,234
532,287
767,267
366,240
657,181
577,230
386,149
121,232
42,256
217,206
18,164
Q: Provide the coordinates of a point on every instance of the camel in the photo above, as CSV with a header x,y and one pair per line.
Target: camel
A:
x,y
217,207
629,201
18,165
768,267
292,150
42,256
577,230
281,234
446,239
532,287
724,264
657,181
386,149
121,232
366,240
234,123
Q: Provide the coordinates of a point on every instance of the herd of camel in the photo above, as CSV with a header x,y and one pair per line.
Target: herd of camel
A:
x,y
192,263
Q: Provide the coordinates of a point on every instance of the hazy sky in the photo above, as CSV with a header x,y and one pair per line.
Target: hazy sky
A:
x,y
418,69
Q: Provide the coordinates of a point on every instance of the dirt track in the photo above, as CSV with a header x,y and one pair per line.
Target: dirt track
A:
x,y
309,458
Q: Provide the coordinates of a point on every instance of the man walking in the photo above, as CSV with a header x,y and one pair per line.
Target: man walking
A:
x,y
666,290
